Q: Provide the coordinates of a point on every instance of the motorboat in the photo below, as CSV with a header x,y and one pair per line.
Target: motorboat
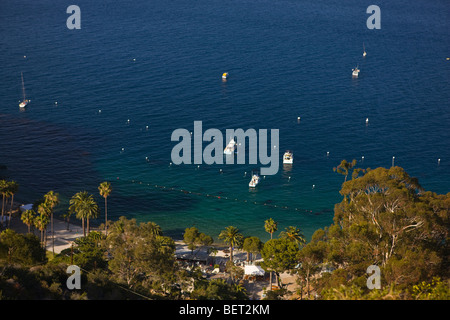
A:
x,y
231,146
355,72
288,157
255,180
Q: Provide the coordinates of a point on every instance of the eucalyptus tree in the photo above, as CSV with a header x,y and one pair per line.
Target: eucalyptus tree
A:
x,y
385,219
138,255
344,167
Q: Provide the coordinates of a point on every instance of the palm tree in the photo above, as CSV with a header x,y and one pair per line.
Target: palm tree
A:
x,y
13,187
51,199
41,223
105,191
4,192
28,217
85,207
66,216
271,226
43,211
232,237
293,234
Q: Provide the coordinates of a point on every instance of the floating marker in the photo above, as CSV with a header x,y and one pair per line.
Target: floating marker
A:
x,y
146,127
99,111
439,161
362,158
298,118
313,186
367,120
328,153
26,57
218,197
56,102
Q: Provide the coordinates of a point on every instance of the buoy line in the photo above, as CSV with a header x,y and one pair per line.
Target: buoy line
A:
x,y
213,196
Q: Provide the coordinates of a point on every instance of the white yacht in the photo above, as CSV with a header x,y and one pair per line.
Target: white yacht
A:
x,y
25,101
255,180
355,72
288,157
231,146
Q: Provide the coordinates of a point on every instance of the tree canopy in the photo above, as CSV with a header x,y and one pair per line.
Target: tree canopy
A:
x,y
385,219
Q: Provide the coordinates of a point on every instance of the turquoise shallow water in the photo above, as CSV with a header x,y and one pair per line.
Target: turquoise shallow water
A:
x,y
159,64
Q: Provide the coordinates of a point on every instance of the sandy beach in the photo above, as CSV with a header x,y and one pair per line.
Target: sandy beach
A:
x,y
63,236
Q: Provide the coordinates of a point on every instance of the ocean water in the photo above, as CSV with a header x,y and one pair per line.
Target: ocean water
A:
x,y
159,63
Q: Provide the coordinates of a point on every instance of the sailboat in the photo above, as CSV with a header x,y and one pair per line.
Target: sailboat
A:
x,y
25,101
364,48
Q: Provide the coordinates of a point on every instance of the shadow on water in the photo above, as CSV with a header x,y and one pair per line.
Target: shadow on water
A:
x,y
48,157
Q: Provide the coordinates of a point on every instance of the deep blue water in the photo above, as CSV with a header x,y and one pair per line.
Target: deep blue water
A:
x,y
159,63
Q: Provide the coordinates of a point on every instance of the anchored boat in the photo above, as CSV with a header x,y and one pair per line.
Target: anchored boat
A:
x,y
25,101
288,157
355,72
255,180
231,146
